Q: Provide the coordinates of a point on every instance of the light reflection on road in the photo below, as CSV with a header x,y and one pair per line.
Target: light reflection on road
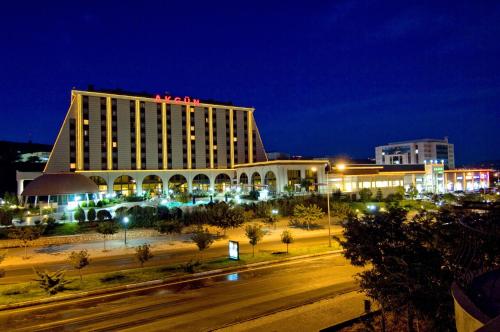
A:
x,y
233,277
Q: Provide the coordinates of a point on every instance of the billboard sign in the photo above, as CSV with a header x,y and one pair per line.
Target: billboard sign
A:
x,y
234,250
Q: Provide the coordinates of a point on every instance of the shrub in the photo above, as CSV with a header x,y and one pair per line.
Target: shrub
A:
x,y
103,215
80,214
113,277
365,194
253,195
190,266
143,253
51,282
169,227
100,203
182,197
134,198
15,291
142,216
63,216
5,217
83,204
306,215
91,214
91,203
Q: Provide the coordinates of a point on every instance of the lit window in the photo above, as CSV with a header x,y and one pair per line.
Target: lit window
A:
x,y
215,147
114,144
192,109
416,150
85,122
192,137
72,166
85,132
192,128
236,139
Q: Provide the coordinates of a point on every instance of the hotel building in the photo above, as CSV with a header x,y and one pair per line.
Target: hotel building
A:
x,y
416,152
131,143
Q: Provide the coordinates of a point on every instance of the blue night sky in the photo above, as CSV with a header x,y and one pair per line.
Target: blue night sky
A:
x,y
325,77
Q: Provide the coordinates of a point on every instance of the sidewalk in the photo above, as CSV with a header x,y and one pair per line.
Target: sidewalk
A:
x,y
59,253
311,317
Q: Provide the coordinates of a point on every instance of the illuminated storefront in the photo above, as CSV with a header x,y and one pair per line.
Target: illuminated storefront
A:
x,y
425,178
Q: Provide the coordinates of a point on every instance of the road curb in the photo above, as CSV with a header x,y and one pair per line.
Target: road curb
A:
x,y
183,278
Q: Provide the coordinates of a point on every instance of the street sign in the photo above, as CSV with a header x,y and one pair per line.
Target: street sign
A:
x,y
234,250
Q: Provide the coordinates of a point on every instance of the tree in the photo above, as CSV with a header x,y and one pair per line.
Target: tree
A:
x,y
26,234
107,228
51,283
412,192
289,189
286,238
3,253
307,214
79,259
80,214
407,272
254,234
169,227
305,184
272,220
340,210
223,216
91,214
203,239
103,215
365,194
143,253
10,198
378,196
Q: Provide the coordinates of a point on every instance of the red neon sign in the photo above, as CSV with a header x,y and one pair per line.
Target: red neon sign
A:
x,y
178,100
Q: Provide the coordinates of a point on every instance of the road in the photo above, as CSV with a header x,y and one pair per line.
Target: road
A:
x,y
16,274
204,304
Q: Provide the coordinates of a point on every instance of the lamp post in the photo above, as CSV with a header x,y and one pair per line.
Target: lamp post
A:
x,y
125,222
328,209
328,206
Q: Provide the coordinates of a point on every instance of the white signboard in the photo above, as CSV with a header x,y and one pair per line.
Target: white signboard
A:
x,y
234,250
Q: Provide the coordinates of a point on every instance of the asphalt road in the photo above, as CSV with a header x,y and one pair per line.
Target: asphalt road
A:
x,y
16,274
204,304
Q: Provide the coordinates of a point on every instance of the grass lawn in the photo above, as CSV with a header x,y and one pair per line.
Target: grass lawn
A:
x,y
30,290
69,228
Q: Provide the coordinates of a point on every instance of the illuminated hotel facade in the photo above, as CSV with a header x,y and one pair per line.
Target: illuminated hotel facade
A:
x,y
430,177
130,143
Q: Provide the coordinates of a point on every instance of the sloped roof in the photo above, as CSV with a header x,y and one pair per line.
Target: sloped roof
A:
x,y
60,184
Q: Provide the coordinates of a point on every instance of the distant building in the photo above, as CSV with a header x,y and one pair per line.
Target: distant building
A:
x,y
416,152
34,157
278,156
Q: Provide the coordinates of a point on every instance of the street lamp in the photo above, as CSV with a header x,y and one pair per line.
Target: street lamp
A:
x,y
125,222
328,207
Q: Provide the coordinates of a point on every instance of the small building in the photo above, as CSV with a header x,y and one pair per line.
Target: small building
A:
x,y
59,189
